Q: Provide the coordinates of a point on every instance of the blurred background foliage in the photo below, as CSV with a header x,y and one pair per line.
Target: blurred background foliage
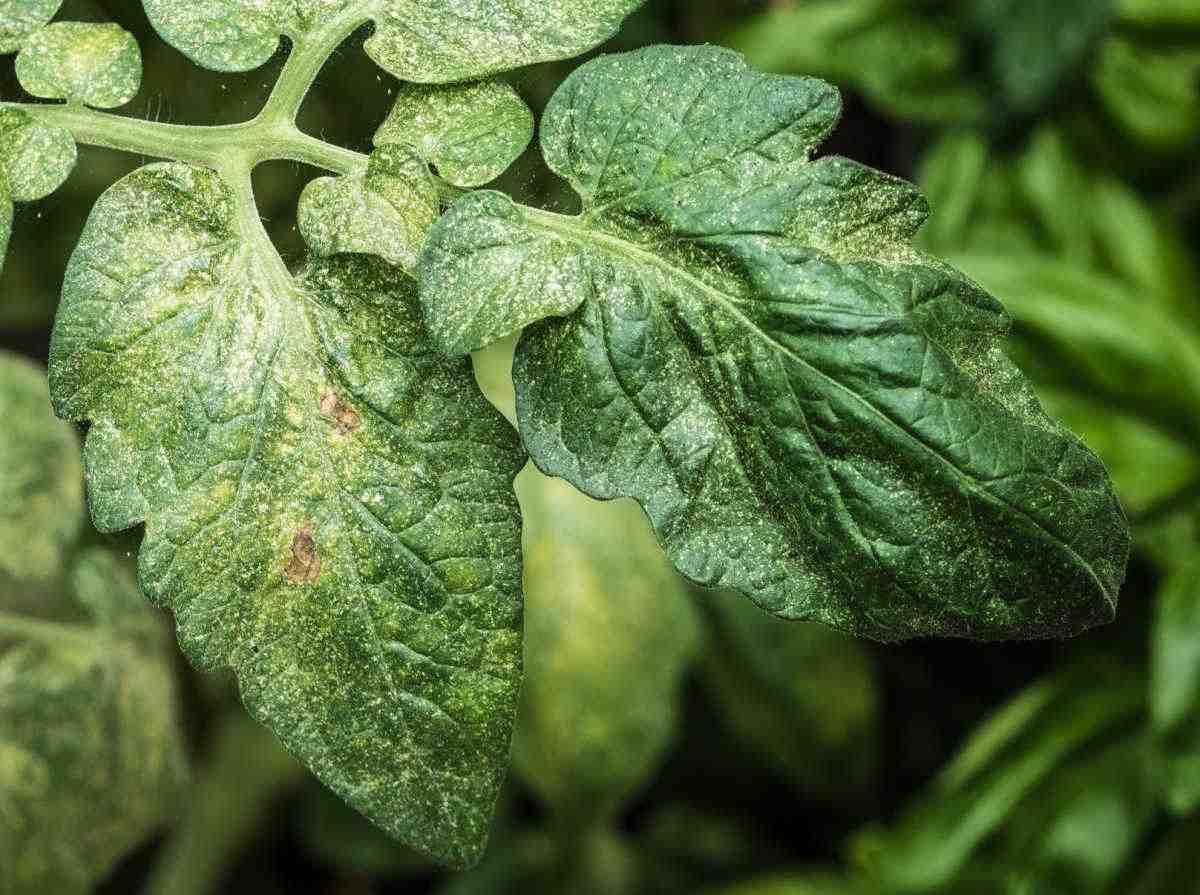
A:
x,y
674,741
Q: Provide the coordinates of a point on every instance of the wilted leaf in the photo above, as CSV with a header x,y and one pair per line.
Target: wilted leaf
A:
x,y
41,477
801,695
386,211
426,41
610,630
97,64
21,18
91,758
328,504
470,132
810,411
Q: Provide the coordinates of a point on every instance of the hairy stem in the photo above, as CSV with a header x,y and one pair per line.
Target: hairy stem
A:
x,y
247,144
304,64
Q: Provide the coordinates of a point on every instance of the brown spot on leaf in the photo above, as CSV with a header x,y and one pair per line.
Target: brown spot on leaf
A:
x,y
305,567
345,416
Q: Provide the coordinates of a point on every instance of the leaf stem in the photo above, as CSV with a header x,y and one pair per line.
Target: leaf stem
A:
x,y
249,143
304,64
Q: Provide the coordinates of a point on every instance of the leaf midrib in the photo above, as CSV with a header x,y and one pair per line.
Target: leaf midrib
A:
x,y
568,228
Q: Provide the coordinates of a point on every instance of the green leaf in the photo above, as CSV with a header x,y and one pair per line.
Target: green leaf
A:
x,y
35,158
1175,684
91,757
97,64
1038,45
610,630
742,339
41,493
1153,93
800,695
1078,834
470,133
21,18
6,218
328,504
1099,334
425,41
909,64
1128,445
386,211
998,767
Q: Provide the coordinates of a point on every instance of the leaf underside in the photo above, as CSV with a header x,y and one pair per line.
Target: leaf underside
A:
x,y
99,64
742,338
327,501
424,41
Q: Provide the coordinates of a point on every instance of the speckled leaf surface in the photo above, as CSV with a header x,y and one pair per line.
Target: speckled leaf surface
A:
x,y
41,477
610,632
98,64
21,18
91,753
470,133
386,211
742,339
424,41
327,501
35,158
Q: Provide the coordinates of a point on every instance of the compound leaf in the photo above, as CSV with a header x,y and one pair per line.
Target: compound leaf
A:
x,y
91,755
742,339
611,629
328,503
386,211
21,18
425,41
470,132
98,64
41,476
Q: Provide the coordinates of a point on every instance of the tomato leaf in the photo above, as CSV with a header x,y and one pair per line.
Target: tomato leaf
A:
x,y
743,339
97,64
424,41
470,132
328,503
